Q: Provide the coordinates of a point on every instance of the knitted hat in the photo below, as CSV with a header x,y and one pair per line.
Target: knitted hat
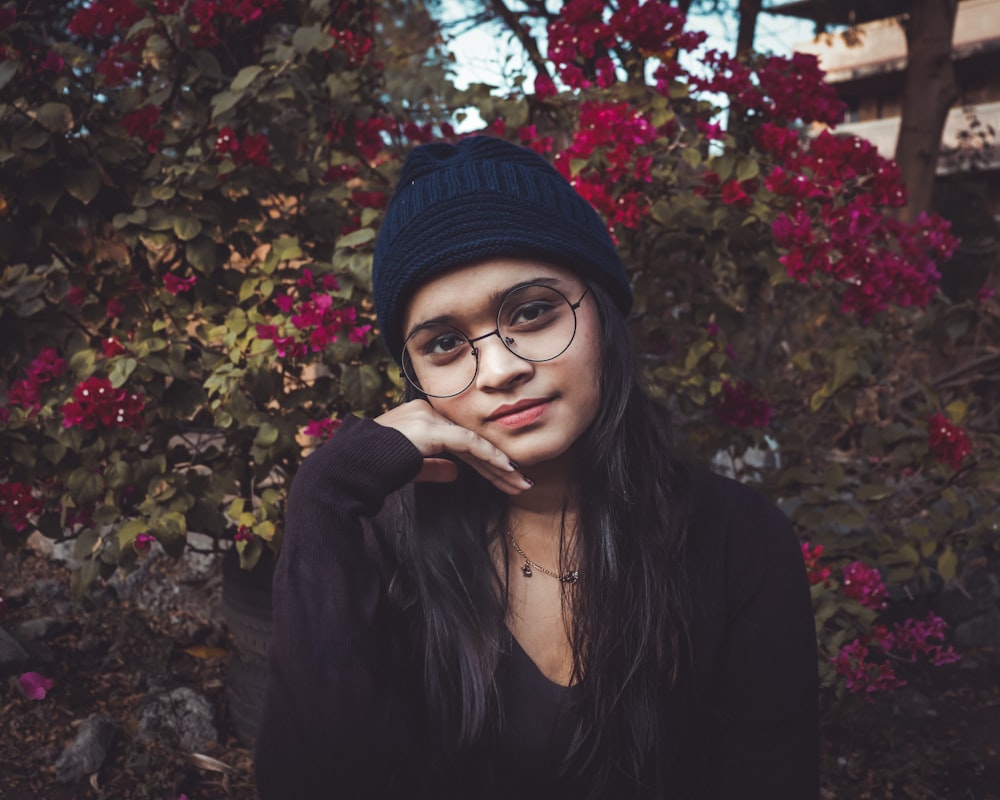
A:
x,y
458,204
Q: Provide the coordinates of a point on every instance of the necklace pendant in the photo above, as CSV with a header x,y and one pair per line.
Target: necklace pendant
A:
x,y
570,577
526,570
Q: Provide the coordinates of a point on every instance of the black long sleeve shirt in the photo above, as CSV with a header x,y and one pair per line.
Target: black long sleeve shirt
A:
x,y
341,716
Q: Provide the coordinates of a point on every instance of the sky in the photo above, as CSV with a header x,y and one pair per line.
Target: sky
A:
x,y
483,56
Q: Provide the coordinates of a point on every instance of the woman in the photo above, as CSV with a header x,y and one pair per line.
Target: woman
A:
x,y
509,585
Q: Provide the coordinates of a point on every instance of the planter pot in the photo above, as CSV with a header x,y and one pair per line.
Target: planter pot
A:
x,y
246,601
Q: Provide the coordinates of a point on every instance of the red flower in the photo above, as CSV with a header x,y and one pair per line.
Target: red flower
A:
x,y
17,502
544,86
812,555
111,347
142,124
115,308
226,143
253,150
741,407
733,194
176,285
949,443
27,392
96,404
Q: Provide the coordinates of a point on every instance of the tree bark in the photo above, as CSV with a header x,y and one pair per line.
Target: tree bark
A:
x,y
929,92
749,10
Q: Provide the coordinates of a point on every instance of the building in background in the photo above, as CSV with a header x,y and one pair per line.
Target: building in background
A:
x,y
868,70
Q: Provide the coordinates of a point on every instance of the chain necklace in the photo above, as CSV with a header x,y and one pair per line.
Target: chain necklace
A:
x,y
527,568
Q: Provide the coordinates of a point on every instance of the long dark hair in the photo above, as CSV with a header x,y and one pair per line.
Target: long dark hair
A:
x,y
629,612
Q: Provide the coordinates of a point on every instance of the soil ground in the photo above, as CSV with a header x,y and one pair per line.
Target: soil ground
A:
x,y
937,739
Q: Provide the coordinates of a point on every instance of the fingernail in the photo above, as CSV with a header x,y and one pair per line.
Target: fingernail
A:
x,y
528,480
513,464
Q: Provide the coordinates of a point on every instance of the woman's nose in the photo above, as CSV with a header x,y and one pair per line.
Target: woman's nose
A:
x,y
498,366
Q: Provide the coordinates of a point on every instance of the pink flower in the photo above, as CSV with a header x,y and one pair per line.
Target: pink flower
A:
x,y
734,194
861,675
242,534
322,428
143,542
865,584
949,443
34,686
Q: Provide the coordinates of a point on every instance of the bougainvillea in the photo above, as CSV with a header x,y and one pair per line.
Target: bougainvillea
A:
x,y
190,287
97,404
949,443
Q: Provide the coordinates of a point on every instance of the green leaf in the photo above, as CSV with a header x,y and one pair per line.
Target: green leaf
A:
x,y
267,435
83,184
55,117
304,40
360,384
8,69
748,168
86,544
947,564
223,102
245,77
121,370
82,363
691,156
356,238
200,254
187,228
285,248
82,578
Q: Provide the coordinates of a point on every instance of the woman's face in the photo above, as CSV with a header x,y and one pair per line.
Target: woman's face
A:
x,y
533,411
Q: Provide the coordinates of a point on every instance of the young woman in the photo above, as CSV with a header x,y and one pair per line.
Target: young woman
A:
x,y
510,586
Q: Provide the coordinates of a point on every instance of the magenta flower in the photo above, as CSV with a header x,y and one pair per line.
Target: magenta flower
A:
x,y
34,686
865,584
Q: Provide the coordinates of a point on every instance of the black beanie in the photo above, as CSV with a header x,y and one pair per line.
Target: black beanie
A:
x,y
482,198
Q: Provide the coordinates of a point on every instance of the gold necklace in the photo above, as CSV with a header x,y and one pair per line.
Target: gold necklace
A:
x,y
526,569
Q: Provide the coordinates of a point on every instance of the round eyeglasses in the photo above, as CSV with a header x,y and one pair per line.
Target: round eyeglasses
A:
x,y
535,322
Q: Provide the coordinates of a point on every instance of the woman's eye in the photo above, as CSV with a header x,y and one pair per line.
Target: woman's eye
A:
x,y
444,344
530,313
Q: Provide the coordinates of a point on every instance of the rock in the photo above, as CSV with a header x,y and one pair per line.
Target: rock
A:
x,y
40,544
979,593
34,630
980,631
86,753
12,654
181,716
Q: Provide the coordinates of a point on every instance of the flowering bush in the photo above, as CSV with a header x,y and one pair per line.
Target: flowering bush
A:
x,y
189,194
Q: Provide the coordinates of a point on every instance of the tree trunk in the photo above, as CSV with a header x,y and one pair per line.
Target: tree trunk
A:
x,y
749,10
929,92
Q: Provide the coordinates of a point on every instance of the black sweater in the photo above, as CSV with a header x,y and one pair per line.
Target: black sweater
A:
x,y
341,715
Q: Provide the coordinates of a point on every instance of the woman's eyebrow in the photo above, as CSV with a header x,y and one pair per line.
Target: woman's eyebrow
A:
x,y
495,299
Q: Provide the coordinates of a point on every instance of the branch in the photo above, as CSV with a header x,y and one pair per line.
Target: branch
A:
x,y
527,41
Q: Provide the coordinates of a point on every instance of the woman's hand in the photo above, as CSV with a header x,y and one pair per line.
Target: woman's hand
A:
x,y
434,435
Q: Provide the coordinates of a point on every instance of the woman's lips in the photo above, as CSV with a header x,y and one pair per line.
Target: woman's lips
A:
x,y
520,414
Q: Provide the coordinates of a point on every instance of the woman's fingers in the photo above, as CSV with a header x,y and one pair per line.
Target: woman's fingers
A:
x,y
434,435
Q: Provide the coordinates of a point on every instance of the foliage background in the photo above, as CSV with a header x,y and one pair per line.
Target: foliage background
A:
x,y
190,192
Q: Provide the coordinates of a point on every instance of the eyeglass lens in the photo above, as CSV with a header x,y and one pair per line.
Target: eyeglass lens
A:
x,y
534,322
